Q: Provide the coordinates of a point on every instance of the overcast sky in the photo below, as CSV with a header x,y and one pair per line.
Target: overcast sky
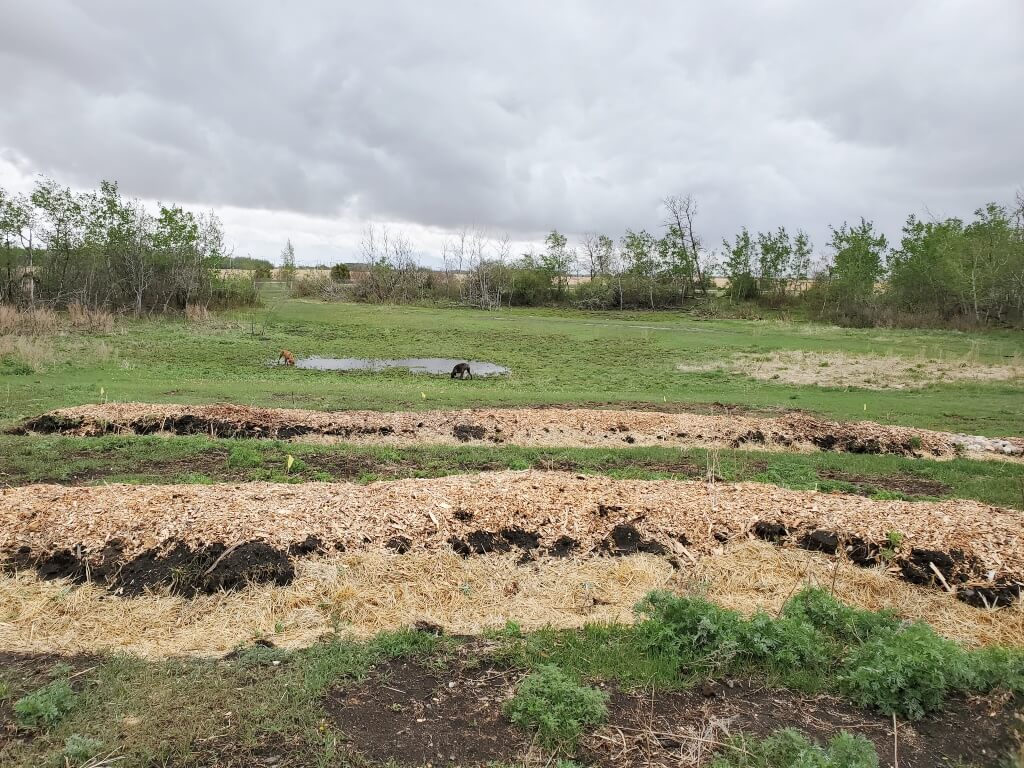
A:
x,y
309,119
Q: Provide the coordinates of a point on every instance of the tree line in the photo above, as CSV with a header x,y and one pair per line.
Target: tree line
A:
x,y
942,271
100,249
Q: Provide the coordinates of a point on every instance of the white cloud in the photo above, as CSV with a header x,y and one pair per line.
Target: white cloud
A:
x,y
310,119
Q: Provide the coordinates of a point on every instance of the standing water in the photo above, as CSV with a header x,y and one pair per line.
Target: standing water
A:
x,y
435,365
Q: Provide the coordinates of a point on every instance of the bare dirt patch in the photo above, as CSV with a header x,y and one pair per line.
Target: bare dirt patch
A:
x,y
419,715
667,728
962,546
31,670
513,426
414,714
910,485
838,369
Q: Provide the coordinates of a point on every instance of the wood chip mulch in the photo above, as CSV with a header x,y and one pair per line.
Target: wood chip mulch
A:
x,y
686,518
526,426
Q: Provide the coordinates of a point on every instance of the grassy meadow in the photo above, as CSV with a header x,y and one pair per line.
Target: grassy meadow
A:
x,y
555,356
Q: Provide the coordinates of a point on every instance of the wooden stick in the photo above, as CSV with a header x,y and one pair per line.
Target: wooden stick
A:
x,y
941,577
895,744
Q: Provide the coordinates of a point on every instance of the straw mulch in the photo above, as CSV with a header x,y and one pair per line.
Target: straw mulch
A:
x,y
526,426
686,518
370,592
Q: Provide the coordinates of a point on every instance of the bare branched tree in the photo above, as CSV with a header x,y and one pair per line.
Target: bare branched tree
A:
x,y
682,213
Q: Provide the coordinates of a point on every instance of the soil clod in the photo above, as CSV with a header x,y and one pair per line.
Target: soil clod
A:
x,y
821,541
774,532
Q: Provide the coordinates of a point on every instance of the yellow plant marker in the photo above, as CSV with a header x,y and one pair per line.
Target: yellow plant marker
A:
x,y
291,460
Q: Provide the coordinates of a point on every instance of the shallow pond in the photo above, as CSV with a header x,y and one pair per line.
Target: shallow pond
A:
x,y
434,365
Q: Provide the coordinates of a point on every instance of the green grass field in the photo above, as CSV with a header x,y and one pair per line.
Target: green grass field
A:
x,y
145,460
172,712
555,357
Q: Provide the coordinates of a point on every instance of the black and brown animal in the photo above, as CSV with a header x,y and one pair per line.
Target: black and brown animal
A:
x,y
288,357
461,371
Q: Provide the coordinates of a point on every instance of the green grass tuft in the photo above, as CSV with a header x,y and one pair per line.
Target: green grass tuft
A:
x,y
244,457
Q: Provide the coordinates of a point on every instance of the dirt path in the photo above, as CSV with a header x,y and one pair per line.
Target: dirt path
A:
x,y
527,427
973,548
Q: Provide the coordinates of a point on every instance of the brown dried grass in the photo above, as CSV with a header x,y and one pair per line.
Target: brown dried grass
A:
x,y
367,593
838,369
752,576
94,319
30,322
32,352
196,313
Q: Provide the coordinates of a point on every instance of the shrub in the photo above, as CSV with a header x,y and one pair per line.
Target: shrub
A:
x,y
234,292
908,672
556,707
997,668
788,748
45,706
340,273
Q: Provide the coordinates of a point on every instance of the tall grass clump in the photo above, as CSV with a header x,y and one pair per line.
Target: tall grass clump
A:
x,y
95,319
40,321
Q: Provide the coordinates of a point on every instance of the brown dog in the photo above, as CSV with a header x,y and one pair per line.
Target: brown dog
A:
x,y
288,357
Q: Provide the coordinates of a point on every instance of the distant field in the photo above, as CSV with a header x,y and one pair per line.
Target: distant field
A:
x,y
555,357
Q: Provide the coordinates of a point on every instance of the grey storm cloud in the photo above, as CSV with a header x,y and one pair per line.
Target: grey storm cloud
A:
x,y
523,116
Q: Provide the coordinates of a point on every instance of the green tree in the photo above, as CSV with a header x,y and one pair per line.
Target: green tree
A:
x,y
557,261
926,271
739,266
800,263
641,257
340,273
287,270
858,263
600,251
775,252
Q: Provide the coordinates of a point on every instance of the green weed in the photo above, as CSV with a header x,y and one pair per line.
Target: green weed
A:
x,y
556,707
80,749
789,748
45,706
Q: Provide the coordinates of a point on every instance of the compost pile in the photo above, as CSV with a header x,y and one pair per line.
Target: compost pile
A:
x,y
954,544
526,427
